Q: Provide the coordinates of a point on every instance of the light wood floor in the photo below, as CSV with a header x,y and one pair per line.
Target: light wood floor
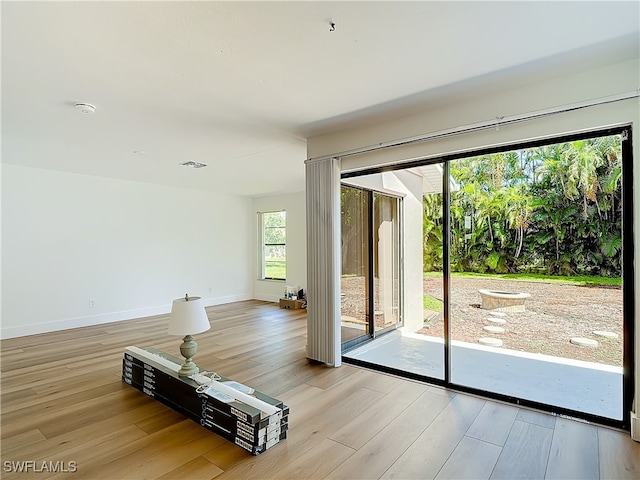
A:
x,y
63,401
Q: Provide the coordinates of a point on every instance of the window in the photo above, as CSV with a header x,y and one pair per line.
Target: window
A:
x,y
273,240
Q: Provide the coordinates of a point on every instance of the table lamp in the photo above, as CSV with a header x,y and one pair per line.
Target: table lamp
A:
x,y
188,317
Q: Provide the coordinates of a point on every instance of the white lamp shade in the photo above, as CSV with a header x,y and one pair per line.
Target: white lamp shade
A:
x,y
188,317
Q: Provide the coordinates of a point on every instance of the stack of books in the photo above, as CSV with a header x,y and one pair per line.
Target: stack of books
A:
x,y
252,420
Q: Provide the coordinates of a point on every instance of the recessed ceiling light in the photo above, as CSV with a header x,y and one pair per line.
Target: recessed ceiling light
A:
x,y
86,108
193,164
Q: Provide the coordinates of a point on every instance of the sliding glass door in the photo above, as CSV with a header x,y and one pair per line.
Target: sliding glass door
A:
x,y
370,281
517,275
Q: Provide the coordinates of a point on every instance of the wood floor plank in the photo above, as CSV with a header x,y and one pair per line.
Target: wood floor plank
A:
x,y
537,418
308,428
64,403
18,378
363,428
223,457
51,354
17,396
381,383
197,469
329,376
378,454
619,457
442,391
60,397
276,381
157,464
472,459
20,441
574,451
161,420
316,463
92,451
152,455
81,436
64,419
310,422
493,423
240,372
525,453
426,456
75,415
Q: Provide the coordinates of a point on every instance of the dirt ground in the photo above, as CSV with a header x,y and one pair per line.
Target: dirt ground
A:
x,y
554,314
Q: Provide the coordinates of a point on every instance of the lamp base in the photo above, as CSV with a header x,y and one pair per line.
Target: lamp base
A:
x,y
188,350
188,368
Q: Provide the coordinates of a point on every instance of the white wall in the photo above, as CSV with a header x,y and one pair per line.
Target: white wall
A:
x,y
132,247
586,86
294,205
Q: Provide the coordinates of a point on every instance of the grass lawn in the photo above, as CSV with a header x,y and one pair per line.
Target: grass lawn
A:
x,y
275,268
536,277
433,304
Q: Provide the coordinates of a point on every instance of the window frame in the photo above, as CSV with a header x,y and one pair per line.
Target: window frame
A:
x,y
263,245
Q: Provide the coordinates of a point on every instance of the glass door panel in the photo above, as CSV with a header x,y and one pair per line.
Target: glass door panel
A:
x,y
536,261
408,300
432,330
386,262
354,294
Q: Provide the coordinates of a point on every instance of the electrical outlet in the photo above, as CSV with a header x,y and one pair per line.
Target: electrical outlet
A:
x,y
92,303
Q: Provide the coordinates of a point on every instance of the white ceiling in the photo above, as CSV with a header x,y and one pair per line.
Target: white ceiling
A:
x,y
241,85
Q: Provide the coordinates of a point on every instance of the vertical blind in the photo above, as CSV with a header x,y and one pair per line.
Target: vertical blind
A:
x,y
323,261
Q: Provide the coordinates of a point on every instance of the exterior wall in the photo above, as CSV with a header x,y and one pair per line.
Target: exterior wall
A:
x,y
411,185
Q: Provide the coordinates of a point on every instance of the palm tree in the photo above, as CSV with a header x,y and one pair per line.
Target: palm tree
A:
x,y
582,160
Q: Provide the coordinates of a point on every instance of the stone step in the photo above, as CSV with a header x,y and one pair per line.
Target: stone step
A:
x,y
584,342
602,333
493,329
497,321
491,342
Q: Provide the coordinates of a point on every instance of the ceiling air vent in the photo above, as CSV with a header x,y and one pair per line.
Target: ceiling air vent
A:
x,y
193,164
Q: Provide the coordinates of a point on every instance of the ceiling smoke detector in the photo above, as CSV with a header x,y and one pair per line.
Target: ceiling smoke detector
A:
x,y
193,164
86,108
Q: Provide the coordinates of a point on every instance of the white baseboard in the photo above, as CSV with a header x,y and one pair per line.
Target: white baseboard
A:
x,y
635,427
210,302
65,324
268,298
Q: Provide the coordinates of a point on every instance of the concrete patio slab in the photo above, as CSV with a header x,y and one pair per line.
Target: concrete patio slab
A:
x,y
581,386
